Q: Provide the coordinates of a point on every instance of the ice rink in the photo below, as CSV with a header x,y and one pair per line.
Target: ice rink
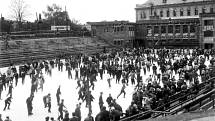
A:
x,y
18,108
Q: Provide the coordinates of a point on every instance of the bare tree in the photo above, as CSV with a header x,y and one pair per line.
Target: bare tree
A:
x,y
19,10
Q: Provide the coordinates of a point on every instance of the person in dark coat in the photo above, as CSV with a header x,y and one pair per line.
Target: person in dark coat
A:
x,y
66,118
58,95
104,115
78,112
7,103
101,101
29,104
109,100
60,109
74,117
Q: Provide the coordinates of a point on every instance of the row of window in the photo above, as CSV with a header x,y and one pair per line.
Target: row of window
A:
x,y
208,33
170,29
208,22
120,42
118,29
175,13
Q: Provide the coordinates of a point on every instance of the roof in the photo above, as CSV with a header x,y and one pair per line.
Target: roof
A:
x,y
149,3
109,22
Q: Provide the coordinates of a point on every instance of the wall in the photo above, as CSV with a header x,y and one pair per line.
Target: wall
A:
x,y
112,33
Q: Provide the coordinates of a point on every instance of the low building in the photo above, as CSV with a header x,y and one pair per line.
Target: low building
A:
x,y
120,33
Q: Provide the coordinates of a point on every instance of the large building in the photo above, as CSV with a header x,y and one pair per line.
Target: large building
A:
x,y
175,23
119,33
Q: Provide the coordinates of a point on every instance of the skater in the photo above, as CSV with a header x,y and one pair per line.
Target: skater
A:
x,y
109,100
23,74
58,95
122,91
78,111
41,82
7,103
16,75
47,102
10,89
1,118
154,68
76,73
101,101
1,87
60,109
69,72
132,75
29,104
78,83
109,82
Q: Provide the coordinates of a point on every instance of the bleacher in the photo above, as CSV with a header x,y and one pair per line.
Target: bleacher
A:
x,y
21,51
181,103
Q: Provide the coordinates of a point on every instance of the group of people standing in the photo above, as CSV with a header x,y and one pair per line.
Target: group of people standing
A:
x,y
167,70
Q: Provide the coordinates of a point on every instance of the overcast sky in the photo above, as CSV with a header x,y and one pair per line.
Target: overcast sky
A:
x,y
82,10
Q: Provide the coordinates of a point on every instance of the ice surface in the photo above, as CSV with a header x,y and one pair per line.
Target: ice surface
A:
x,y
18,108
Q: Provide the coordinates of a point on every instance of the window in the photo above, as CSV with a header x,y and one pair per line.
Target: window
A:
x,y
181,12
192,29
177,29
155,13
149,30
119,42
196,11
164,1
188,12
167,13
161,13
208,34
156,29
208,22
118,29
185,29
174,13
163,29
170,29
122,28
203,10
143,15
211,10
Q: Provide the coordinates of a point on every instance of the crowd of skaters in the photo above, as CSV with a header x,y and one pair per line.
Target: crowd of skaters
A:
x,y
173,70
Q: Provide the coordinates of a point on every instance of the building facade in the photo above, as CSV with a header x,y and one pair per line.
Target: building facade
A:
x,y
172,23
207,36
120,33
